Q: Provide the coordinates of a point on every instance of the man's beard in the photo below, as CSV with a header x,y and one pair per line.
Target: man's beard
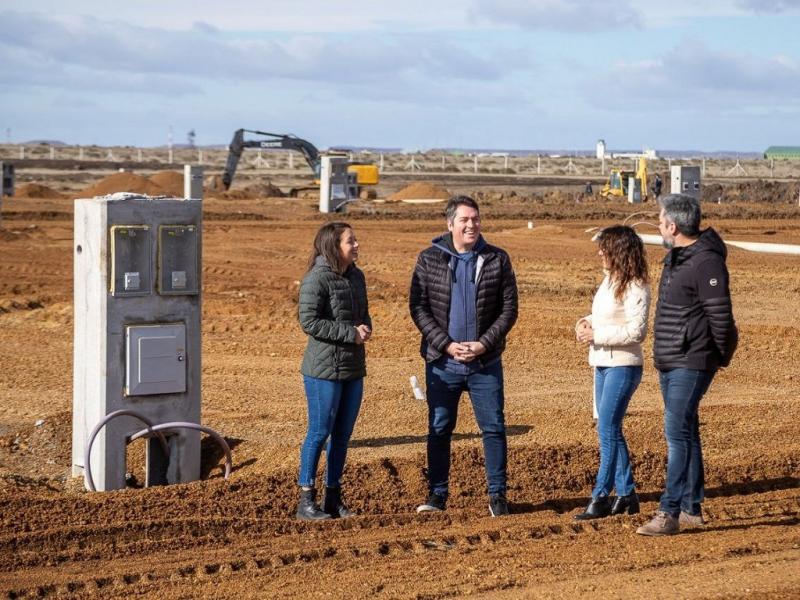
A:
x,y
669,245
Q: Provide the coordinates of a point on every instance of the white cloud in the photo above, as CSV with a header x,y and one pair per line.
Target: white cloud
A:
x,y
576,16
272,15
694,77
34,44
769,6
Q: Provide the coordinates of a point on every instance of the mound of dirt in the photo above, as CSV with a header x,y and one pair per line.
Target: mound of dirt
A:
x,y
214,183
420,191
265,190
36,190
769,192
170,181
252,192
124,182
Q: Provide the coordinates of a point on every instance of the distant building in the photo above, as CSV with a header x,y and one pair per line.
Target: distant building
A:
x,y
600,150
782,152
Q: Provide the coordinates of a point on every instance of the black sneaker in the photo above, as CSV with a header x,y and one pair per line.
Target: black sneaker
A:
x,y
434,503
498,505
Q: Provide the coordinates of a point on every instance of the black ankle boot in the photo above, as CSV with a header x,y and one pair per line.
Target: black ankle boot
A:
x,y
333,504
597,509
626,504
308,509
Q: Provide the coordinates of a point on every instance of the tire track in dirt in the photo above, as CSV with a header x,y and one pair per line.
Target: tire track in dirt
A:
x,y
250,549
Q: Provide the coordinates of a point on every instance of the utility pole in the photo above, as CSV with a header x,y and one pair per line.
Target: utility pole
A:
x,y
169,143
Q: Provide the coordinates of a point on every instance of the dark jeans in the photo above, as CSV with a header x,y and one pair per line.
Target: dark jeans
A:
x,y
332,411
485,389
613,388
682,390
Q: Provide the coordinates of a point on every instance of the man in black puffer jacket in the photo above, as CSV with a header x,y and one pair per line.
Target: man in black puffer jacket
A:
x,y
464,302
695,334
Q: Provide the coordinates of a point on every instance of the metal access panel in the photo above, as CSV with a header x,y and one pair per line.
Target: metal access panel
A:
x,y
686,180
131,269
177,260
155,359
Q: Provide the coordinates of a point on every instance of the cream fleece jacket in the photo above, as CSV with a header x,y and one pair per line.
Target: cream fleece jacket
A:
x,y
619,327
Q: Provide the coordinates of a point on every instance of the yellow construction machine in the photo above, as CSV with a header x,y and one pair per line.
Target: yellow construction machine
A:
x,y
618,181
362,173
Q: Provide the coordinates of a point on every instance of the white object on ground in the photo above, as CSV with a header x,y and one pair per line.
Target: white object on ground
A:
x,y
763,247
419,394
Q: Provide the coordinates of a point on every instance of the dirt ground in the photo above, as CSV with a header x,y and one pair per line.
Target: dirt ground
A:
x,y
237,538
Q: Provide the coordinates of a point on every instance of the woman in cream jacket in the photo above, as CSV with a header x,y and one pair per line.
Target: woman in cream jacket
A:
x,y
615,331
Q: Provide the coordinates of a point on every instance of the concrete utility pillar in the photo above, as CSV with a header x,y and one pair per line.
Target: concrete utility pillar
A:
x,y
7,174
334,191
193,182
137,332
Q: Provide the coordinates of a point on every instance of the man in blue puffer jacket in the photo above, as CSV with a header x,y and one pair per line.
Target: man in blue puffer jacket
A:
x,y
463,300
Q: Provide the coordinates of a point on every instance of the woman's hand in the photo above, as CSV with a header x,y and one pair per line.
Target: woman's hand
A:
x,y
584,332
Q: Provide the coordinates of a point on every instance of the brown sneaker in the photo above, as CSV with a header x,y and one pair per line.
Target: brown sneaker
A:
x,y
662,524
690,520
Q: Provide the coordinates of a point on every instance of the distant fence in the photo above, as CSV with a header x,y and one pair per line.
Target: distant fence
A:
x,y
427,162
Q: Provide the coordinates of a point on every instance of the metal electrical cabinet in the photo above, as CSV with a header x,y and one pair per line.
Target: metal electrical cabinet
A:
x,y
7,174
137,332
686,180
334,191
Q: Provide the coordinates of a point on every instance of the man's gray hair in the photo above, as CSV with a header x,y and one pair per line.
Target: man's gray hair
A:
x,y
455,202
684,211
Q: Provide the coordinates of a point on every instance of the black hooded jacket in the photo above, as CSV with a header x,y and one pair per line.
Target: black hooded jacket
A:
x,y
694,325
430,296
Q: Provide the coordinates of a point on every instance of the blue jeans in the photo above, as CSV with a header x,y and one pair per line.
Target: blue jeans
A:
x,y
682,390
485,389
613,388
332,412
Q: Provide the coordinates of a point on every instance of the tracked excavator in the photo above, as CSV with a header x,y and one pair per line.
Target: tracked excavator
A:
x,y
360,173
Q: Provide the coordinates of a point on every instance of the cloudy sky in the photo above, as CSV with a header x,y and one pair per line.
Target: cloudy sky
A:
x,y
414,74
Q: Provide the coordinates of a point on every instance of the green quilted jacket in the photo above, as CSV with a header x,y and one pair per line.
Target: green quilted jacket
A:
x,y
330,307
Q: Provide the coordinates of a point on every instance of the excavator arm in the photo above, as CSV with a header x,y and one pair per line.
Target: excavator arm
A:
x,y
270,140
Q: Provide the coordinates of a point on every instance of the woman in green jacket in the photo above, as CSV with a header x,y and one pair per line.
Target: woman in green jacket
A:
x,y
334,313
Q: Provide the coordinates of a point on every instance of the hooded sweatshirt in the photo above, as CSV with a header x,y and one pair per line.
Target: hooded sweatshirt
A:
x,y
462,324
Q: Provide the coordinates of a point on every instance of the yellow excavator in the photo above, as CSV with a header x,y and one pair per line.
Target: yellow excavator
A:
x,y
617,184
362,173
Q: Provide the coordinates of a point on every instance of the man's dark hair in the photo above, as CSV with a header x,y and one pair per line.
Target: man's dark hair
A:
x,y
455,202
684,211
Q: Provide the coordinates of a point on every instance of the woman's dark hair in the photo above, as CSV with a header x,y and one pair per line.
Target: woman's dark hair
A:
x,y
624,253
326,244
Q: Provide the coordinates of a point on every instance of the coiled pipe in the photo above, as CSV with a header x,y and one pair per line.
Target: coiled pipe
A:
x,y
157,429
151,430
117,413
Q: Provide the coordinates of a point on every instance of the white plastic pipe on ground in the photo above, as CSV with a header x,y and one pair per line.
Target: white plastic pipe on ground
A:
x,y
761,247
